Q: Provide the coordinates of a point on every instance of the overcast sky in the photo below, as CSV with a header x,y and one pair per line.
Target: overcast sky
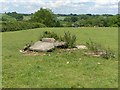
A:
x,y
61,6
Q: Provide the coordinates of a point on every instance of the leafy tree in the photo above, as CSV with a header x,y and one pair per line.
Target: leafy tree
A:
x,y
74,19
46,17
18,17
67,19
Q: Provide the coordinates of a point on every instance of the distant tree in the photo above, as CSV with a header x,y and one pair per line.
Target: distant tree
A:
x,y
45,16
74,19
89,14
67,19
3,19
18,17
118,20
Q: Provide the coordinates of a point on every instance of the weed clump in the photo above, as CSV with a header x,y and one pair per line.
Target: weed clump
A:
x,y
93,46
109,54
68,38
48,34
98,49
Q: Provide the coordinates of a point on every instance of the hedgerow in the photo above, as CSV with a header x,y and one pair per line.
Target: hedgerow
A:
x,y
19,25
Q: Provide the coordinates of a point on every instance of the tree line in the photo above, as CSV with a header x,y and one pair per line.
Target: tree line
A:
x,y
89,20
46,18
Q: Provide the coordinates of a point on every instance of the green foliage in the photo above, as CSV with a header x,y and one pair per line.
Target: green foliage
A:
x,y
118,18
19,17
46,17
69,39
71,19
88,20
109,54
95,47
67,19
26,18
74,19
16,26
5,17
48,34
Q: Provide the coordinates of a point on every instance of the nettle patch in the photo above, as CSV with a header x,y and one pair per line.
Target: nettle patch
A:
x,y
49,41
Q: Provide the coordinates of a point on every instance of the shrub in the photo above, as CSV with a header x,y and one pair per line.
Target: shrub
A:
x,y
93,46
70,40
48,34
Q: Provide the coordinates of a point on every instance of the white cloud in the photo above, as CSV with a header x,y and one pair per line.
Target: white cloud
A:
x,y
56,4
103,2
89,6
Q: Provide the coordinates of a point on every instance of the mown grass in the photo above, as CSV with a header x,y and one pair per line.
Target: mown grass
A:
x,y
53,70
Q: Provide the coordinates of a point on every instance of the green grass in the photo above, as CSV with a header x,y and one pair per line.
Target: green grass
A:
x,y
53,71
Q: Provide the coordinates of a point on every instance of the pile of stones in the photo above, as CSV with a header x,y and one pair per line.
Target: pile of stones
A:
x,y
47,44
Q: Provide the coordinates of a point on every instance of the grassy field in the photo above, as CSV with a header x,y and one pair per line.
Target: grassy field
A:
x,y
52,70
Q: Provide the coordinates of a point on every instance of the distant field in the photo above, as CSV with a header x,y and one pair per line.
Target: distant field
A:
x,y
60,18
26,18
52,69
